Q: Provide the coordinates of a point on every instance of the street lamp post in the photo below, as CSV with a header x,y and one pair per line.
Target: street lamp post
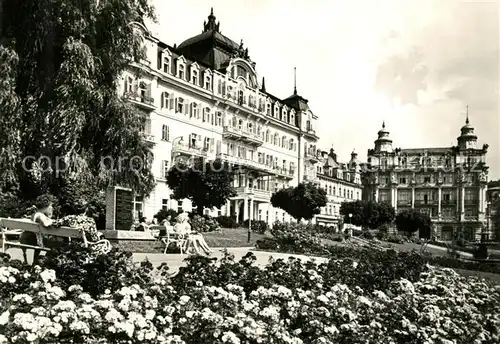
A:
x,y
250,222
350,224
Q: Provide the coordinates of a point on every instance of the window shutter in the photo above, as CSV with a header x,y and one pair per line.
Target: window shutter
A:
x,y
212,140
219,147
186,107
190,139
162,100
176,107
171,101
198,141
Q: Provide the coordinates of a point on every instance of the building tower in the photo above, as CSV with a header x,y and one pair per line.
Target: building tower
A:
x,y
383,143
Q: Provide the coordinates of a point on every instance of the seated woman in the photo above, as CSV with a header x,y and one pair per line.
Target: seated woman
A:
x,y
193,238
142,226
42,215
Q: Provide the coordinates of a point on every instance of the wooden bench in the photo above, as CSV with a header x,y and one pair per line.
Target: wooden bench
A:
x,y
11,226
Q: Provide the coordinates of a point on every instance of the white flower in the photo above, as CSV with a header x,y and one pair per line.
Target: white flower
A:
x,y
3,339
31,337
4,318
48,275
184,299
230,337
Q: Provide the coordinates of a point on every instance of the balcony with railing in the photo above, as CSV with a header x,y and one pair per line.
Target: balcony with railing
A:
x,y
254,192
425,202
184,149
148,137
284,172
142,100
471,202
230,132
244,162
404,203
311,156
448,202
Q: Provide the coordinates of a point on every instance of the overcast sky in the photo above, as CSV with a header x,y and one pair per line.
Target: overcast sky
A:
x,y
414,64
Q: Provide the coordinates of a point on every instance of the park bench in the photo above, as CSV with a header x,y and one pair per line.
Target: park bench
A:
x,y
11,226
167,236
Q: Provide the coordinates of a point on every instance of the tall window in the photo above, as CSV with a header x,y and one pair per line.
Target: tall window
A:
x,y
166,64
195,77
165,133
179,207
181,71
180,105
138,206
208,83
218,119
164,168
143,89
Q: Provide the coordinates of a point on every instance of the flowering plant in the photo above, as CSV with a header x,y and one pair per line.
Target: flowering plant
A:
x,y
237,302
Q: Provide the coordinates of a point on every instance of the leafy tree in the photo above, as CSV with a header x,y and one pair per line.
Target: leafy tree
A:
x,y
301,202
367,214
60,114
411,220
206,184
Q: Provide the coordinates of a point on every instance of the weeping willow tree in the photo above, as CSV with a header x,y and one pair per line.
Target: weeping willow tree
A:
x,y
60,112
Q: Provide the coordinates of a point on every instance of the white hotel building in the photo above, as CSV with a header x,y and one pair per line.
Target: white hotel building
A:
x,y
204,99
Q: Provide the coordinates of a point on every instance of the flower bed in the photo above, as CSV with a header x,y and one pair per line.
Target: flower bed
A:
x,y
74,297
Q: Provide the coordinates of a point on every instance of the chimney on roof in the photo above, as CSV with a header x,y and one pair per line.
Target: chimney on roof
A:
x,y
263,87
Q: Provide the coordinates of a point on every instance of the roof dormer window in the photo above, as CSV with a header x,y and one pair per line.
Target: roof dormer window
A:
x,y
268,110
292,117
181,71
181,68
194,77
166,64
283,114
276,111
208,82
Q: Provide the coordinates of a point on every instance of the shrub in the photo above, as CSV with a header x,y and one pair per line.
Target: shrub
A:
x,y
203,224
163,214
227,221
258,226
368,235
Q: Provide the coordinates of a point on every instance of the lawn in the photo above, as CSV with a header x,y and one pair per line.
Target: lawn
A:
x,y
233,237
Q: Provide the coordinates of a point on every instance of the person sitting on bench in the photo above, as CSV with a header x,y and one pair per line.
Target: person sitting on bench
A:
x,y
42,215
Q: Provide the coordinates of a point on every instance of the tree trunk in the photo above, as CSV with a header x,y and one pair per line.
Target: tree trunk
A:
x,y
199,210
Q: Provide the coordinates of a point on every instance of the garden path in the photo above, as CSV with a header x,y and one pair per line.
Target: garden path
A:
x,y
175,261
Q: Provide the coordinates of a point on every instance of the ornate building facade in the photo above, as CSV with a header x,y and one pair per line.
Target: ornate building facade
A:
x,y
449,184
342,182
204,99
493,197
